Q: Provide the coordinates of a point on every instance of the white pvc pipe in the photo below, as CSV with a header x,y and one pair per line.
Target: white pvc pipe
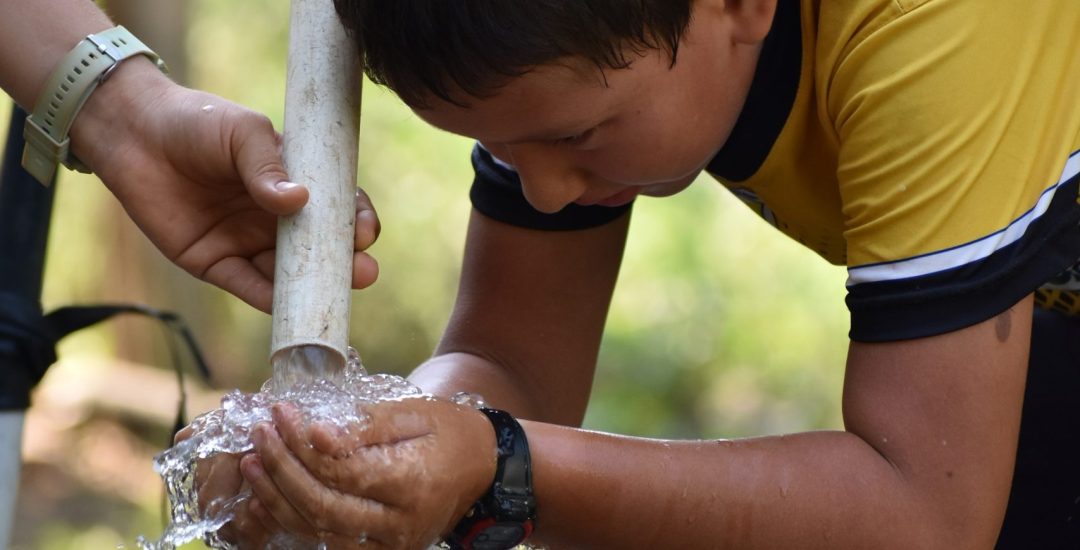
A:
x,y
313,272
11,428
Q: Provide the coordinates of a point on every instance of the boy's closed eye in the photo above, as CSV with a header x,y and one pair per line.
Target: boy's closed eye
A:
x,y
580,139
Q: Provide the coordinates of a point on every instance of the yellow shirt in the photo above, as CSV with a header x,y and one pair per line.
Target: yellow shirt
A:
x,y
929,145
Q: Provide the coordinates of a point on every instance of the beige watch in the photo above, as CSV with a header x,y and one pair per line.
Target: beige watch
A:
x,y
68,88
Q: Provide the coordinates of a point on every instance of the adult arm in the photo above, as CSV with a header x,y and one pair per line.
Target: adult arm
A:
x,y
201,176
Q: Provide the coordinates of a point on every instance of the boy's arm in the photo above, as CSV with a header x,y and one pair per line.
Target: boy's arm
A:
x,y
926,462
931,424
530,311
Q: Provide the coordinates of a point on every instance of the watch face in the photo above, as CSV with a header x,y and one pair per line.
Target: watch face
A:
x,y
499,536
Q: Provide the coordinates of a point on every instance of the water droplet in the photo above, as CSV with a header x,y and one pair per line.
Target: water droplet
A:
x,y
467,399
884,440
207,108
362,539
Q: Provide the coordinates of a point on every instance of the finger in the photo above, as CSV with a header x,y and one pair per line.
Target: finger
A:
x,y
258,511
183,434
323,460
264,263
331,441
293,431
365,270
399,420
216,480
384,423
368,226
325,509
247,531
257,152
271,499
240,278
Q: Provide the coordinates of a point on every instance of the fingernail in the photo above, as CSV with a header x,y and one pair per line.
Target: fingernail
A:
x,y
278,411
286,186
252,468
366,216
259,434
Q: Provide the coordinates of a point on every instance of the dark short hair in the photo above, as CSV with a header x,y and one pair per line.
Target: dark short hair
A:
x,y
425,48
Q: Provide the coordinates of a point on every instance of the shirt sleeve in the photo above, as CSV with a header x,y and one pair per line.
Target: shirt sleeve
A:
x,y
496,192
957,163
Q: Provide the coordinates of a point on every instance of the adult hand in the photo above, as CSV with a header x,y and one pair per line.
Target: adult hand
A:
x,y
202,177
400,480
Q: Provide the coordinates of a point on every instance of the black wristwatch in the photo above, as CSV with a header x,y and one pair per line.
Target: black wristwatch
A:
x,y
504,517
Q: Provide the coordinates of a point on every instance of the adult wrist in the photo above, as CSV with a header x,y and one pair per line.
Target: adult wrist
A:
x,y
115,109
71,84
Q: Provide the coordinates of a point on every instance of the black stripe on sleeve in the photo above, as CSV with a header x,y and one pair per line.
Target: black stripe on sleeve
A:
x,y
770,99
953,299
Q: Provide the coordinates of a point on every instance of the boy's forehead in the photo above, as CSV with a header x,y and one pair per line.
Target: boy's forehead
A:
x,y
545,102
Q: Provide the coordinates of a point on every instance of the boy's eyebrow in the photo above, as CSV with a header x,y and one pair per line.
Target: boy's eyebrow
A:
x,y
555,134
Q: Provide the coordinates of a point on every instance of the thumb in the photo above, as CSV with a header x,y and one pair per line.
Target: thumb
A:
x,y
257,153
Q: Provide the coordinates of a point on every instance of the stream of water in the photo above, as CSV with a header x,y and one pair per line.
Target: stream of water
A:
x,y
309,377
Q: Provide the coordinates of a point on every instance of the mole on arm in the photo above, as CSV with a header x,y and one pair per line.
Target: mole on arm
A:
x,y
1003,325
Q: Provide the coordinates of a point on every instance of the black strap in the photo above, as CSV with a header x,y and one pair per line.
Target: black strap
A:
x,y
28,346
512,490
30,339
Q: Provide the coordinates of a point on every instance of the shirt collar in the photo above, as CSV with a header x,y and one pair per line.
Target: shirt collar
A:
x,y
769,101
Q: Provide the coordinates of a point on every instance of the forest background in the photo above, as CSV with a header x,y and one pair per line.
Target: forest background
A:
x,y
721,327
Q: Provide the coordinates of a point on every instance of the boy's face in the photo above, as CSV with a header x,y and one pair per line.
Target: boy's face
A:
x,y
578,136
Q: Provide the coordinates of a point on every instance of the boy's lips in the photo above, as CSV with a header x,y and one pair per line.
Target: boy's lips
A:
x,y
618,199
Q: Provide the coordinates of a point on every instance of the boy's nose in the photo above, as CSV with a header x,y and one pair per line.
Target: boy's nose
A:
x,y
549,180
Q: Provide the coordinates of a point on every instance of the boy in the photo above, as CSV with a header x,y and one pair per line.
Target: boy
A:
x,y
927,144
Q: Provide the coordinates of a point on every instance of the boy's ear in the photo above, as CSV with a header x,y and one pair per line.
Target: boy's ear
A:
x,y
750,20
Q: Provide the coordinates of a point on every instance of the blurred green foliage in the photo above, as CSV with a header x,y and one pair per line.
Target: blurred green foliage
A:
x,y
720,327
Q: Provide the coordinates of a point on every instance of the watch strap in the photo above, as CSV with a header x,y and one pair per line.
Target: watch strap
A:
x,y
512,489
76,76
505,516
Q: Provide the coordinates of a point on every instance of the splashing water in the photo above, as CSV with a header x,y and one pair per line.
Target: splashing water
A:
x,y
311,378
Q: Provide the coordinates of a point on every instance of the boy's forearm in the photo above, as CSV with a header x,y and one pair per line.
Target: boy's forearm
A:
x,y
448,374
810,490
926,462
526,327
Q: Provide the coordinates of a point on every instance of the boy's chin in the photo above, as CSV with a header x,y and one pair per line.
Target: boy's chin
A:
x,y
667,189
